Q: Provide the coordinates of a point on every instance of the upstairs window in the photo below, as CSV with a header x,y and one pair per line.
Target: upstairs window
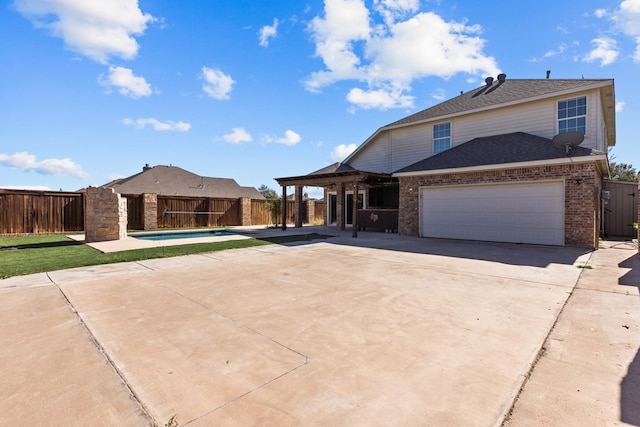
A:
x,y
441,137
572,115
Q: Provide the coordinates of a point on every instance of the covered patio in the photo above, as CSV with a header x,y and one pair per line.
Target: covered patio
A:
x,y
344,180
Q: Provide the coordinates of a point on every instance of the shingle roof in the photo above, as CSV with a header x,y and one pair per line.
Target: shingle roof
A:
x,y
334,168
175,181
510,90
499,149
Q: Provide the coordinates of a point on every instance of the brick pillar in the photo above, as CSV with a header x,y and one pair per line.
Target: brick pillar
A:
x,y
245,211
150,211
105,215
638,219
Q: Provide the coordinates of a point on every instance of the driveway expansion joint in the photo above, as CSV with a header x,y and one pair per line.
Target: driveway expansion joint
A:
x,y
109,360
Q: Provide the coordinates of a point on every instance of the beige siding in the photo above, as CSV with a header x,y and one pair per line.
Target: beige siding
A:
x,y
411,144
537,118
394,149
376,156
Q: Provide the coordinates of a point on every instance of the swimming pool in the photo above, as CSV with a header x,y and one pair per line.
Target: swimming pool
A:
x,y
182,234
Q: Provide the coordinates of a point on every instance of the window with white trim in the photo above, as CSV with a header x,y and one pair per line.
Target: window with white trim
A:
x,y
441,137
572,115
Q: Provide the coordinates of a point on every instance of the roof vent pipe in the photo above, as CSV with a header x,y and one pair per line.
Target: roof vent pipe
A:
x,y
489,81
548,73
502,77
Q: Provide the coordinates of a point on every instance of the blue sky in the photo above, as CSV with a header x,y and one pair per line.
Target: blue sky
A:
x,y
92,90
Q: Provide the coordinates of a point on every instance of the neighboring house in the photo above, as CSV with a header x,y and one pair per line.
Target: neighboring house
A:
x,y
175,181
483,166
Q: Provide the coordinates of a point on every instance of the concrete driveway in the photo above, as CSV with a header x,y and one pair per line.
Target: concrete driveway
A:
x,y
381,330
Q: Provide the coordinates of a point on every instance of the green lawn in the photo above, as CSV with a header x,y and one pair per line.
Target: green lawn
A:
x,y
37,254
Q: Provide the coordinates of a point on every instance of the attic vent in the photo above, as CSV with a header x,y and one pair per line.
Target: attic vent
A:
x,y
502,77
489,81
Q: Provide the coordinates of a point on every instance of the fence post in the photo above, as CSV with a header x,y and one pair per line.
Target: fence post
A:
x,y
245,211
105,215
150,211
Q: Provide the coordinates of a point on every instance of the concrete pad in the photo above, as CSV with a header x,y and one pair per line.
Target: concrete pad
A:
x,y
589,373
331,333
52,371
38,279
179,356
95,272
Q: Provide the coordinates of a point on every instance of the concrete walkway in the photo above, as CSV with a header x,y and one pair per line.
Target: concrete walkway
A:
x,y
589,371
379,330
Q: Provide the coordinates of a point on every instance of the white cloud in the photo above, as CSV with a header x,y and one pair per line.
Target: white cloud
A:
x,y
218,85
237,136
94,28
127,83
28,162
268,32
606,51
389,56
381,99
157,125
627,19
620,106
290,138
600,13
342,151
391,10
27,187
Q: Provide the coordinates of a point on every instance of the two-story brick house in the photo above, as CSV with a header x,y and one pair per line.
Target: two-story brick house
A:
x,y
483,166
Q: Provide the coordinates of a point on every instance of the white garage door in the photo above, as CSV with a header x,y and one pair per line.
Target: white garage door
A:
x,y
517,213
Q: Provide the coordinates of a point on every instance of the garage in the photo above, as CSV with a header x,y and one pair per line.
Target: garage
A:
x,y
515,212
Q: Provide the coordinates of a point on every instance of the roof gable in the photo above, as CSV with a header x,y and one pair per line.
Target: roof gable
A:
x,y
501,94
499,149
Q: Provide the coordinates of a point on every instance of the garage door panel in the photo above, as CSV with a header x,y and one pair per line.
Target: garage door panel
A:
x,y
519,213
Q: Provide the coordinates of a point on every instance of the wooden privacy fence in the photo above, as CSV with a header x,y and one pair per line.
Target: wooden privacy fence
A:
x,y
33,212
186,212
27,211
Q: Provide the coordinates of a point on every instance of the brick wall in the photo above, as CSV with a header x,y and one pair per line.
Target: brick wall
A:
x,y
582,196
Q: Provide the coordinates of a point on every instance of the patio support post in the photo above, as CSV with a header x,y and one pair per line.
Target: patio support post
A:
x,y
298,198
354,211
341,207
283,207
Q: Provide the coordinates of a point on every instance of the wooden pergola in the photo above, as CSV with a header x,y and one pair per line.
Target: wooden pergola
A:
x,y
341,180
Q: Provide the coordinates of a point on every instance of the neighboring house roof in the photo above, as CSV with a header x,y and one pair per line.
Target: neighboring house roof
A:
x,y
175,181
506,92
515,147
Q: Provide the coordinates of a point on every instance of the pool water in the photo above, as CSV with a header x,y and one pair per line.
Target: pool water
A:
x,y
182,235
